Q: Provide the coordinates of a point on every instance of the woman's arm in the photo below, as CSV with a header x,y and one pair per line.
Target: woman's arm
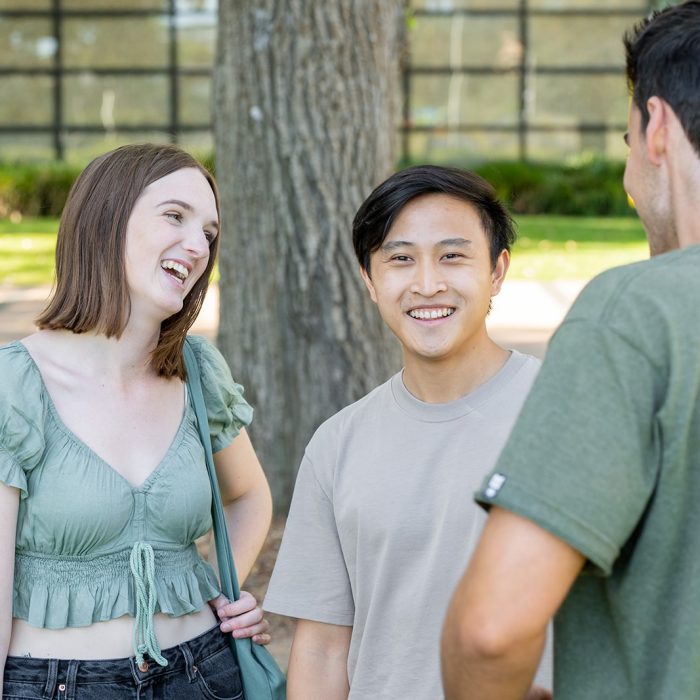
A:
x,y
248,510
247,501
9,505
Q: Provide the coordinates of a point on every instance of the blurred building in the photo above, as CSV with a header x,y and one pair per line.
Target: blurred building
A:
x,y
483,79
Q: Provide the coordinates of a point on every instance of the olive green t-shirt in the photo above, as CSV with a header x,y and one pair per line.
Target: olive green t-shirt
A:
x,y
606,456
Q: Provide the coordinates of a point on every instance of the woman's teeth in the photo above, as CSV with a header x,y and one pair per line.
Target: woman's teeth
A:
x,y
175,268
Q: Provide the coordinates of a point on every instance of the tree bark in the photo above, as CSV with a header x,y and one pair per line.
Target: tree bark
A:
x,y
307,98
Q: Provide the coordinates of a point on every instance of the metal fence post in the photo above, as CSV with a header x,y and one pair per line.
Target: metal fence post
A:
x,y
57,27
522,79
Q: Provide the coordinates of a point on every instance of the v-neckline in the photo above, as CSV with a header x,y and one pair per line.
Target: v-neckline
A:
x,y
152,475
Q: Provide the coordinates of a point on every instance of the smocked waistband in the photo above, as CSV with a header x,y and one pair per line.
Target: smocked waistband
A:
x,y
95,567
137,570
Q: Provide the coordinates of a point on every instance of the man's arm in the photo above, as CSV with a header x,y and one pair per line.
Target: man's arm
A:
x,y
497,621
318,663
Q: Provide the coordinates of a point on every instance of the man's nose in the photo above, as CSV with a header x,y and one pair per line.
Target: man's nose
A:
x,y
428,280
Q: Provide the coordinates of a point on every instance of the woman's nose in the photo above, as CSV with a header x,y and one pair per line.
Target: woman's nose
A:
x,y
196,243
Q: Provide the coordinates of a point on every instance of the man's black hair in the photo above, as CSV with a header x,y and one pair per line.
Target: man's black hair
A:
x,y
379,211
663,60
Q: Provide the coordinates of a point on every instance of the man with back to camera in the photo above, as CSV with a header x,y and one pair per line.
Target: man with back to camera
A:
x,y
602,471
382,519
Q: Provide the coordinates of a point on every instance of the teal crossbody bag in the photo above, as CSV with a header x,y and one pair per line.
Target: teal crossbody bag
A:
x,y
262,677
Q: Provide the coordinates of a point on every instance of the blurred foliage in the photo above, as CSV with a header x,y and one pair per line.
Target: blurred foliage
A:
x,y
587,188
590,188
41,189
35,190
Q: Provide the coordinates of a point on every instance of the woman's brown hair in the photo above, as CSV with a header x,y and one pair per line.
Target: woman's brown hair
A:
x,y
91,291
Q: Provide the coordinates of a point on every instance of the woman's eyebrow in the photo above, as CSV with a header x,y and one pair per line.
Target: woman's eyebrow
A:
x,y
179,202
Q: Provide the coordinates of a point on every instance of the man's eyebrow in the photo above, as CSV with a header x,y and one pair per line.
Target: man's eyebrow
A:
x,y
393,245
188,207
447,242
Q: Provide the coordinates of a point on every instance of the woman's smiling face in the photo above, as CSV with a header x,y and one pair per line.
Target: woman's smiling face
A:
x,y
167,242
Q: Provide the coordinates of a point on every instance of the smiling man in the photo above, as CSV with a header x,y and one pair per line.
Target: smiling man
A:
x,y
594,500
382,520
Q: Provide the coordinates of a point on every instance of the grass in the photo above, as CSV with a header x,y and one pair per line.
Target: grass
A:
x,y
561,247
27,252
548,247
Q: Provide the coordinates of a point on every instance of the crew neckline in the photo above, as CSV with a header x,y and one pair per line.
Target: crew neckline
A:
x,y
452,410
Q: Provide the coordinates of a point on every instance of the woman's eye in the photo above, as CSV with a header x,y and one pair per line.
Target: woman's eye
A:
x,y
175,215
209,236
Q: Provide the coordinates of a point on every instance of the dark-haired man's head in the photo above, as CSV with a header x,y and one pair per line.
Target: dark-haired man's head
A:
x,y
662,173
433,246
663,60
376,216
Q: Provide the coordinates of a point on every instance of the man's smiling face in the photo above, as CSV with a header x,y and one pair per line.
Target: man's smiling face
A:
x,y
432,278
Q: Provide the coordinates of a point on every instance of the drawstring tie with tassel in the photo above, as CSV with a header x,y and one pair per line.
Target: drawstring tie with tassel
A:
x,y
142,564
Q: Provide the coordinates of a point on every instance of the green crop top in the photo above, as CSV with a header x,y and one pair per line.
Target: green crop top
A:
x,y
90,546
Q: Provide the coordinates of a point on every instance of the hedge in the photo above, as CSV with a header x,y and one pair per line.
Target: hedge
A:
x,y
592,188
35,190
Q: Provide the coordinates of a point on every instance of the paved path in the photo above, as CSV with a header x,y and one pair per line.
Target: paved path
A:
x,y
524,314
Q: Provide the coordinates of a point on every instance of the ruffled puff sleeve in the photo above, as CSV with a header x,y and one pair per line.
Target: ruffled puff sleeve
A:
x,y
21,434
227,410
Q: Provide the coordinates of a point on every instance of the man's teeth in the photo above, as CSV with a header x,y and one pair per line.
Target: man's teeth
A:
x,y
426,314
180,271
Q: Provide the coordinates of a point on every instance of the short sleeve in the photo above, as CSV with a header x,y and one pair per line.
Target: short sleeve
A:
x,y
227,410
310,580
582,460
21,411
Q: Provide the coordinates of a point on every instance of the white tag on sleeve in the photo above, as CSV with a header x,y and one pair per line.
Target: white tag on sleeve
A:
x,y
494,485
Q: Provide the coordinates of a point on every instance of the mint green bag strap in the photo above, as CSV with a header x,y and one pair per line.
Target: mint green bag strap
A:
x,y
262,677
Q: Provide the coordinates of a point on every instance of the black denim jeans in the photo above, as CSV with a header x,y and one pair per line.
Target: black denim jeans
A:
x,y
203,667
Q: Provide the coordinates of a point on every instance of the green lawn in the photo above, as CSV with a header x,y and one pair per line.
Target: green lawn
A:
x,y
27,252
548,247
560,247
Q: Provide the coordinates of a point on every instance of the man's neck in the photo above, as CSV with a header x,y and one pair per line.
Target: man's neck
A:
x,y
682,171
449,379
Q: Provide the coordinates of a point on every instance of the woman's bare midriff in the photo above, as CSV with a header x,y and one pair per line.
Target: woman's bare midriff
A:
x,y
104,640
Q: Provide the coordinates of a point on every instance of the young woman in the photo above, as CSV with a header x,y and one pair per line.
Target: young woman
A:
x,y
104,488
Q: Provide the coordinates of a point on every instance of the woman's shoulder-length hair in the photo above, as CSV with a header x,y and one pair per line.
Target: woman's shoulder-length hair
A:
x,y
91,291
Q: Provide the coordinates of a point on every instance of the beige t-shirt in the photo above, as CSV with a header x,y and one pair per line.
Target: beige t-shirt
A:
x,y
383,522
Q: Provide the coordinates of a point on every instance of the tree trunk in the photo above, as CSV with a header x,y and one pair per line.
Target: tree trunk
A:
x,y
306,110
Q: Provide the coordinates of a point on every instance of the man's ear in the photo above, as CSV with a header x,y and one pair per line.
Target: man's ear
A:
x,y
499,272
368,283
656,134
